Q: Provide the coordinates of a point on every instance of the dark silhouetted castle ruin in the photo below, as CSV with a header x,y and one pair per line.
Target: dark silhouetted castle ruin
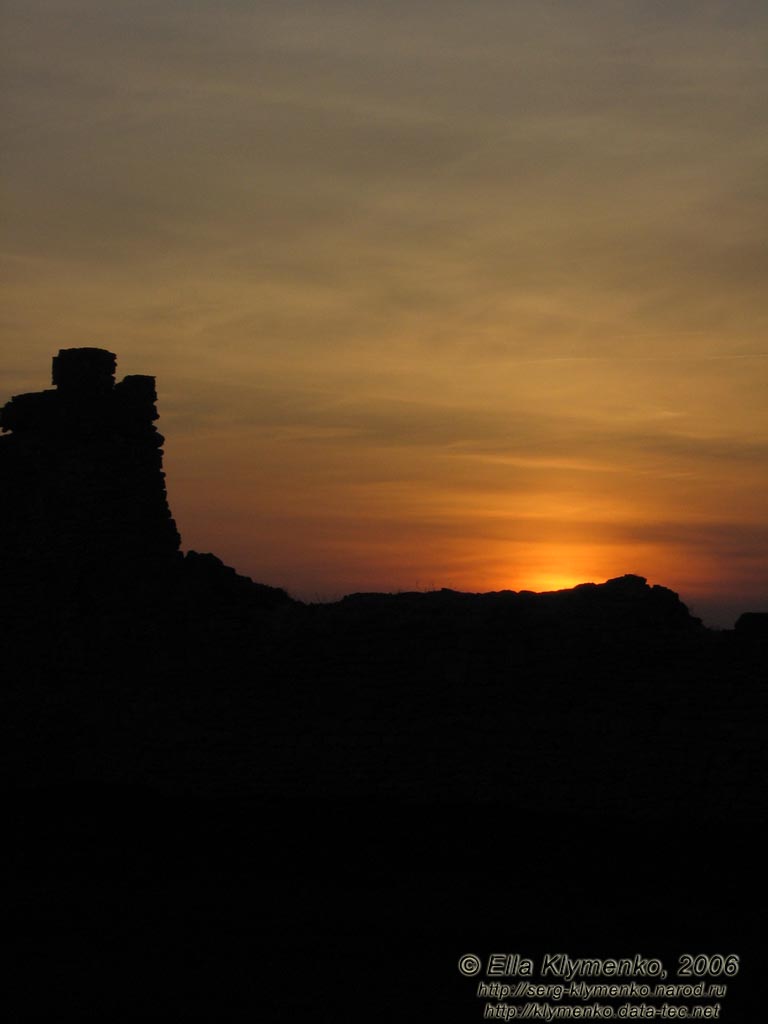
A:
x,y
84,489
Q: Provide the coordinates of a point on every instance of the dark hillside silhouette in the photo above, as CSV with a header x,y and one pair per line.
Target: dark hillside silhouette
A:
x,y
85,519
359,771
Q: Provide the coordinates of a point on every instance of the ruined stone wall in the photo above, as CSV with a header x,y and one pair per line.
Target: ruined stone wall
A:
x,y
83,490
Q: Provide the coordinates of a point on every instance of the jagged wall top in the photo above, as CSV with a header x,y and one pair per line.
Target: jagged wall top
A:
x,y
86,398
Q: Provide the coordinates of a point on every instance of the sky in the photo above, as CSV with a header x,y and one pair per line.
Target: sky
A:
x,y
445,293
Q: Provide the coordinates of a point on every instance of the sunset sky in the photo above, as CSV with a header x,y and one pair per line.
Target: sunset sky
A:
x,y
463,293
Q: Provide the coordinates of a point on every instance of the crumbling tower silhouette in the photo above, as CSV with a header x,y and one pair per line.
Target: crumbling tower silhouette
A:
x,y
83,488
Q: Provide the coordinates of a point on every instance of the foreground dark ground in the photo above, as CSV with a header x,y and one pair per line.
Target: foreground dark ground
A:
x,y
221,799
